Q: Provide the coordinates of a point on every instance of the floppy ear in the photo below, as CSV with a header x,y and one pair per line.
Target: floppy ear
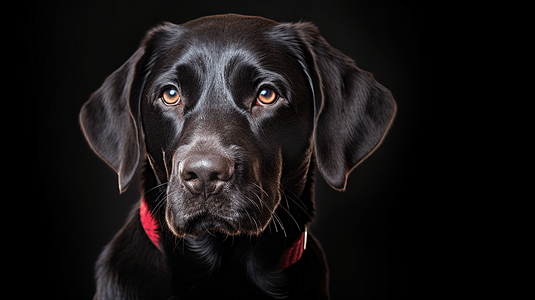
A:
x,y
353,112
108,124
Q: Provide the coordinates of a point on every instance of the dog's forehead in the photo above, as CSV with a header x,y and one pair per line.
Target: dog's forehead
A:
x,y
208,39
217,34
224,26
214,45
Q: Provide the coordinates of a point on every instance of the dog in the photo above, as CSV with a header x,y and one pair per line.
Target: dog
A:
x,y
227,118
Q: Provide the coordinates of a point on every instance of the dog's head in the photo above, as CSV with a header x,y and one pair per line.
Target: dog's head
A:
x,y
229,111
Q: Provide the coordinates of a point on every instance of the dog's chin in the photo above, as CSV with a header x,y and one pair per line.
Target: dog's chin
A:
x,y
204,223
200,226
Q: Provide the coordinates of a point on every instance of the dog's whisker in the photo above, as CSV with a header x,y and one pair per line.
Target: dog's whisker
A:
x,y
287,189
152,189
293,196
285,197
264,204
176,244
280,223
274,225
304,209
283,190
160,197
159,204
274,215
253,221
165,163
295,221
261,202
260,189
250,200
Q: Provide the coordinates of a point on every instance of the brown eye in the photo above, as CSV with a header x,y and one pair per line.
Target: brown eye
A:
x,y
171,96
266,96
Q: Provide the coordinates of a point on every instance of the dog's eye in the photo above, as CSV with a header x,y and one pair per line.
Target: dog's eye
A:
x,y
171,96
266,96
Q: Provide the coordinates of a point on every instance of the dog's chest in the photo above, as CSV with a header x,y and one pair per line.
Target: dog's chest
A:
x,y
208,268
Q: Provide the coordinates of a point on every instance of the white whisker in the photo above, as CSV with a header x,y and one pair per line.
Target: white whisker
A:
x,y
280,223
304,209
291,217
260,188
152,189
257,207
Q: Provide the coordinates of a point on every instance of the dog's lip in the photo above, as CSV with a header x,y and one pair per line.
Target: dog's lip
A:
x,y
201,222
206,214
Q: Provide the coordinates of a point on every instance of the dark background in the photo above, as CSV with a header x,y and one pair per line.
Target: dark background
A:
x,y
375,235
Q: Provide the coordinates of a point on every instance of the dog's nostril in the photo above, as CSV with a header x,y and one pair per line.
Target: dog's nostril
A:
x,y
206,173
189,176
215,176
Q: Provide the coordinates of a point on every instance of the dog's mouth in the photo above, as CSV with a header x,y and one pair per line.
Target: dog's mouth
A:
x,y
234,217
201,223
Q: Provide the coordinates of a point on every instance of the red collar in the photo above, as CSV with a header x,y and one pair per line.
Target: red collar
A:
x,y
289,257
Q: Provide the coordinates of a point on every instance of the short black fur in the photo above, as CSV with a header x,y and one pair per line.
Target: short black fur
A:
x,y
229,179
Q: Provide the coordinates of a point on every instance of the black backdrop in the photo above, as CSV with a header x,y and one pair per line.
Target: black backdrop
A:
x,y
372,234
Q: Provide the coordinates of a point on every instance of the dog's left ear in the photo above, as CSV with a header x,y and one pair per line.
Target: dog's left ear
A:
x,y
353,112
109,125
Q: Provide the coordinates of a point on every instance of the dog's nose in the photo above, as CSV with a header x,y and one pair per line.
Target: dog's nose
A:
x,y
206,173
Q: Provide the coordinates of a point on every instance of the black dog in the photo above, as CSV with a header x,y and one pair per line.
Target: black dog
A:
x,y
229,116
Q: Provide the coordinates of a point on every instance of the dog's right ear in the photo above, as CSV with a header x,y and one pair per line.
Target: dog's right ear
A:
x,y
109,124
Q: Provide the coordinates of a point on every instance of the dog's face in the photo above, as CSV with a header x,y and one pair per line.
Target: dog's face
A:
x,y
223,107
230,111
